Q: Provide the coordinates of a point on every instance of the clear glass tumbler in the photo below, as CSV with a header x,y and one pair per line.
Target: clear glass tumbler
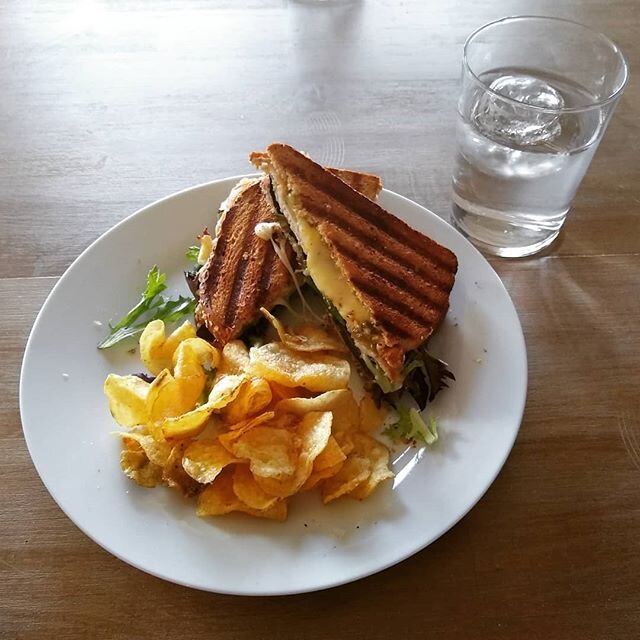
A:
x,y
537,94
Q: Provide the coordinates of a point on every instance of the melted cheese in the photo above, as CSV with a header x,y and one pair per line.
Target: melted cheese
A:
x,y
265,230
328,277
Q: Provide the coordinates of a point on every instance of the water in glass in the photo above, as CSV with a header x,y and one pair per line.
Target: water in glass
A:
x,y
517,169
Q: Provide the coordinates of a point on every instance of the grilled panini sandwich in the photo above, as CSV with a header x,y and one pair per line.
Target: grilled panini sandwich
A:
x,y
388,283
251,263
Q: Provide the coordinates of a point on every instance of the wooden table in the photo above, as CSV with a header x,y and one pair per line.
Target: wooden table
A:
x,y
107,106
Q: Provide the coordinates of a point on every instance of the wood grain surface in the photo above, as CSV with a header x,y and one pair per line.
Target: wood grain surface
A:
x,y
107,106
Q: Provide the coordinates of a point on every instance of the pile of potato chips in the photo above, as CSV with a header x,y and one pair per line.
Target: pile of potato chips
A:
x,y
244,430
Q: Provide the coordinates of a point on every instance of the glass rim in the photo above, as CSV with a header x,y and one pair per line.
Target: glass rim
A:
x,y
592,105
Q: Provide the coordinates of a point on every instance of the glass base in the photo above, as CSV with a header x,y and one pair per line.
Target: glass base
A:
x,y
502,238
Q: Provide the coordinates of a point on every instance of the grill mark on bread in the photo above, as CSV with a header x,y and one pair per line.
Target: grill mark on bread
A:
x,y
443,279
380,293
371,213
238,277
423,295
388,323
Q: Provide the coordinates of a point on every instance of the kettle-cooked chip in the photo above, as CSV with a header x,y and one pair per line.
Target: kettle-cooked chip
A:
x,y
174,475
192,423
219,498
313,434
127,396
371,416
355,470
271,452
305,337
188,425
156,350
225,390
330,456
340,402
191,360
203,460
157,451
322,474
249,491
164,399
318,372
235,358
378,456
228,438
252,398
135,465
280,392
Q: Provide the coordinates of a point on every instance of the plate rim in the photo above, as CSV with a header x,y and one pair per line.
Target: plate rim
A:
x,y
327,584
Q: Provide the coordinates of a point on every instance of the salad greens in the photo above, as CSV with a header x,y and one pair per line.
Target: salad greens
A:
x,y
152,306
423,376
411,427
192,253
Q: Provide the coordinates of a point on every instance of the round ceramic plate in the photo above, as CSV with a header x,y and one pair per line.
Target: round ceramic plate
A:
x,y
67,424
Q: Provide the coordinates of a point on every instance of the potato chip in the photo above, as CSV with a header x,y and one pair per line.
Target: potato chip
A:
x,y
228,439
317,476
306,337
318,372
354,471
378,455
156,350
192,423
174,475
340,402
248,490
127,396
330,456
164,399
219,498
225,391
235,358
203,460
252,398
156,452
371,416
135,465
313,435
319,339
271,452
280,392
187,425
300,406
191,360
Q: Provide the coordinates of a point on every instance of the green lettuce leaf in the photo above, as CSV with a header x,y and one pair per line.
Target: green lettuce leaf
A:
x,y
152,306
192,253
411,427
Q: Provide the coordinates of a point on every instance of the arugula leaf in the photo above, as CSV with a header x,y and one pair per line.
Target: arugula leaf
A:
x,y
411,427
152,306
424,376
192,253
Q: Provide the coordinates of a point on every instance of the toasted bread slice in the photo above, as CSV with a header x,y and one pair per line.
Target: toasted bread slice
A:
x,y
244,272
367,184
394,281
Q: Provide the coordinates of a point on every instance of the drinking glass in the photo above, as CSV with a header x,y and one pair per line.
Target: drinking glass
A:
x,y
537,95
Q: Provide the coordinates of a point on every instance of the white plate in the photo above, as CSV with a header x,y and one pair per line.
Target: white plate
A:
x,y
67,424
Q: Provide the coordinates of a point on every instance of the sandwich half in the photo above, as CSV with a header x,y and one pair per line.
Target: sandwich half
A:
x,y
251,264
386,284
